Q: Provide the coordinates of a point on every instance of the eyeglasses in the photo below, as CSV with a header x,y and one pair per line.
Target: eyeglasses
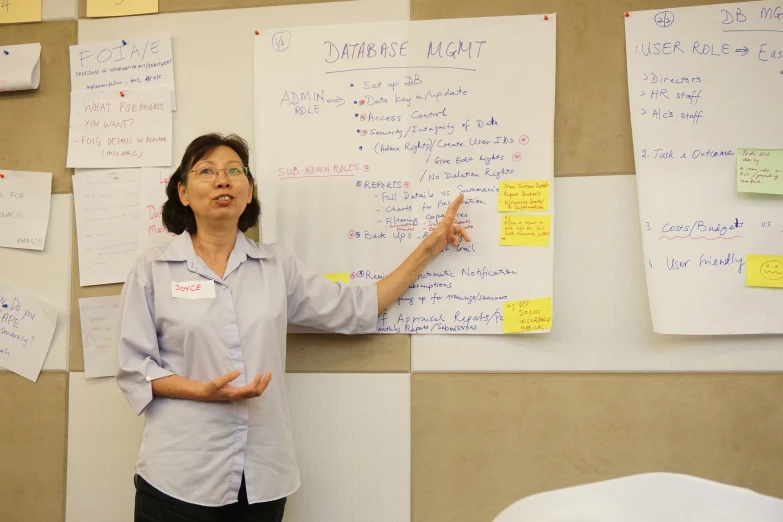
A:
x,y
210,173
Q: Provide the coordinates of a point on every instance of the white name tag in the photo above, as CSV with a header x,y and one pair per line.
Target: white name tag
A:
x,y
204,289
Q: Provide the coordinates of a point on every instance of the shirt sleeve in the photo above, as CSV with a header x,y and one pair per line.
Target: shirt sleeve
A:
x,y
138,358
316,302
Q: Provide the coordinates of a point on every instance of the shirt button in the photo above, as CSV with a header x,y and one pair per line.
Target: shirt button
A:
x,y
149,378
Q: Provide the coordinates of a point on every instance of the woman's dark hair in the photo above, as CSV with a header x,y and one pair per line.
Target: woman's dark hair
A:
x,y
177,217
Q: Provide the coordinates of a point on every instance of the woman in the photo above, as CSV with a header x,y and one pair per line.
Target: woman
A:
x,y
203,331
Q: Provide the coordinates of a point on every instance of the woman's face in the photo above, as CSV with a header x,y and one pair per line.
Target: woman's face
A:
x,y
212,192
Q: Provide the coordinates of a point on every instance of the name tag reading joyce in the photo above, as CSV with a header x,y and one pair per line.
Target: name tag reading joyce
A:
x,y
204,289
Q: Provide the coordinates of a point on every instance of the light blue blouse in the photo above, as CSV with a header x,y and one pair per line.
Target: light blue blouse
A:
x,y
197,451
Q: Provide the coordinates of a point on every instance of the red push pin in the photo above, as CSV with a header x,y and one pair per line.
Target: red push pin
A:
x,y
256,33
122,94
627,14
546,17
2,175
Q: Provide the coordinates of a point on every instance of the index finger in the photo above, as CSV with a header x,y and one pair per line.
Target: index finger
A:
x,y
451,212
224,379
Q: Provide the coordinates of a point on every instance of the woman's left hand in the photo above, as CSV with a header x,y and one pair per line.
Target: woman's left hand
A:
x,y
447,232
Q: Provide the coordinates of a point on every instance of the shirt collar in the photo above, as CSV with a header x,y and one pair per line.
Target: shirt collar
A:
x,y
181,248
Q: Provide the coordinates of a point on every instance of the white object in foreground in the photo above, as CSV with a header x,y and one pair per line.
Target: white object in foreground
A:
x,y
648,497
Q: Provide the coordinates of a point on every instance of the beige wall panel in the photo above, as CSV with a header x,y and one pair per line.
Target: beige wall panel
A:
x,y
348,353
180,6
33,430
592,115
482,442
37,138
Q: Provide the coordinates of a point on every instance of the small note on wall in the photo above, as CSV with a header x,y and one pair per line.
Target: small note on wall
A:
x,y
343,276
115,130
20,67
523,196
527,315
760,170
25,199
26,330
99,320
101,8
765,271
19,11
525,230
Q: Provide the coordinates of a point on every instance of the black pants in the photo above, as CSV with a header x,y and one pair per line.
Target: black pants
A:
x,y
155,506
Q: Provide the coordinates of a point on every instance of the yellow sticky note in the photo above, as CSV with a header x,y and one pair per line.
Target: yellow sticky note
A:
x,y
523,196
763,270
527,315
760,170
525,230
343,276
17,11
99,8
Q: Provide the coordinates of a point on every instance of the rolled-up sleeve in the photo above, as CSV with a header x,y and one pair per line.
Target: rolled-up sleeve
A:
x,y
138,358
316,302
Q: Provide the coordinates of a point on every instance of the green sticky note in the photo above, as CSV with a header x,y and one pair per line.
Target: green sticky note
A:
x,y
760,170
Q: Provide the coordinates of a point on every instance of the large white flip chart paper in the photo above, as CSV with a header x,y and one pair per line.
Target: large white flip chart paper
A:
x,y
25,200
26,330
703,82
366,133
20,67
107,220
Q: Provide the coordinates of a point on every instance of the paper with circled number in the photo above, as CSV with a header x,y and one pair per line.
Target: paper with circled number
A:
x,y
107,8
20,66
704,82
107,204
25,200
26,329
19,11
151,231
375,129
100,318
109,130
135,62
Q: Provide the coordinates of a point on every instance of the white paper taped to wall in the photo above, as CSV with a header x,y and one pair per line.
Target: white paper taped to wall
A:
x,y
100,321
120,129
20,67
704,82
132,63
25,200
26,330
369,132
107,220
